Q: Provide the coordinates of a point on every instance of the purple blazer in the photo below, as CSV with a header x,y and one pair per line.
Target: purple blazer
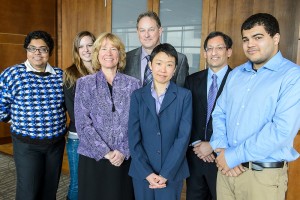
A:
x,y
99,128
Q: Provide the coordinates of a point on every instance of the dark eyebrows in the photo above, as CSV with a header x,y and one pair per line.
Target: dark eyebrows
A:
x,y
253,36
258,34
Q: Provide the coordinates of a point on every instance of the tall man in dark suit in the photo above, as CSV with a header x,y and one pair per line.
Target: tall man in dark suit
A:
x,y
149,31
201,185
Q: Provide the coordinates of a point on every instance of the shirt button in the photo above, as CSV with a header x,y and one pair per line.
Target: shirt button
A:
x,y
243,106
237,123
248,89
234,141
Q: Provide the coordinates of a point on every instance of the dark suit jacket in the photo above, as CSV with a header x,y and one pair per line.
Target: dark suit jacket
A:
x,y
133,66
197,83
158,142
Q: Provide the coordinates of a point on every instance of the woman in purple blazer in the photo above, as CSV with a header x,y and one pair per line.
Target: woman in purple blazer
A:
x,y
159,127
101,115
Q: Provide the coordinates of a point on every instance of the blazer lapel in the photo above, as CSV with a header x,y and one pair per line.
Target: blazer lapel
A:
x,y
136,63
169,96
149,101
202,88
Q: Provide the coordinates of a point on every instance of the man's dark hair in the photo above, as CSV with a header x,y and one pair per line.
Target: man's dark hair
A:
x,y
46,37
150,14
167,49
262,19
227,40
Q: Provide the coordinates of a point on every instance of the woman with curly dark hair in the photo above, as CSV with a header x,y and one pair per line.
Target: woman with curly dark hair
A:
x,y
32,100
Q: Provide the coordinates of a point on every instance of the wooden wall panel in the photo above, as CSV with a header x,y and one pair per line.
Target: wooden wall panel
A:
x,y
209,13
18,18
79,15
11,48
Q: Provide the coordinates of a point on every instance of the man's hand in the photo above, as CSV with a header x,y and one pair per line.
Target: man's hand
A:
x,y
202,149
209,158
221,162
156,181
236,171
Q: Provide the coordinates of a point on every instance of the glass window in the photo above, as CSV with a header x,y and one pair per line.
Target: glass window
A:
x,y
124,15
181,22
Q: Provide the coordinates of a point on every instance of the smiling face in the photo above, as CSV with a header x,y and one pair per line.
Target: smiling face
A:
x,y
37,59
163,67
85,49
108,55
259,46
148,33
216,53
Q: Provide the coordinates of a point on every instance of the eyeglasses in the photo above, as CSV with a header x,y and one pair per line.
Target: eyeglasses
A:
x,y
217,49
33,49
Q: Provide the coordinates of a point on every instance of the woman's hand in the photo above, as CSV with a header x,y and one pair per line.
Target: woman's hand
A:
x,y
156,181
116,158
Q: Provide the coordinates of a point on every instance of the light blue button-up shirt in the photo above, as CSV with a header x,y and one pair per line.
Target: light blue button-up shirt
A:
x,y
257,115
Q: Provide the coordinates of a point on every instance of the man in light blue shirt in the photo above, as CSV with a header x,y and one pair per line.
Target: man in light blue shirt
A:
x,y
257,117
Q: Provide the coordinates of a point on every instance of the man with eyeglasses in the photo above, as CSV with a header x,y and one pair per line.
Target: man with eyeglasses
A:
x,y
206,86
149,31
31,99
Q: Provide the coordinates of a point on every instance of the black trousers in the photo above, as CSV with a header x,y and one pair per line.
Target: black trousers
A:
x,y
38,169
201,185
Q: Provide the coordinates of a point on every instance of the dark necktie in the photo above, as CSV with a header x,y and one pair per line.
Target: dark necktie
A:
x,y
148,73
212,93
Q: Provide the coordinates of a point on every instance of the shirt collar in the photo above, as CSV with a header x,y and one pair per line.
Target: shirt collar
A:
x,y
220,74
153,90
29,68
272,64
144,54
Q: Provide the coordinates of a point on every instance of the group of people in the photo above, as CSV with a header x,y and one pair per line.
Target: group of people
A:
x,y
140,125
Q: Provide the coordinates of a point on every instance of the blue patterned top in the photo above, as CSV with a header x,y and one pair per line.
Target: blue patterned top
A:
x,y
101,118
34,104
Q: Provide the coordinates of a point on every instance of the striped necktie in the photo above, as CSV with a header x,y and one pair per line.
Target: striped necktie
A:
x,y
148,73
212,93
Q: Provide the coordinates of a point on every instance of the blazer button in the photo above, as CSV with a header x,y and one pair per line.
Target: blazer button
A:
x,y
158,152
158,133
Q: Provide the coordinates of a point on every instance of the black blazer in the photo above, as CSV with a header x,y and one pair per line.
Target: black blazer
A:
x,y
197,83
133,66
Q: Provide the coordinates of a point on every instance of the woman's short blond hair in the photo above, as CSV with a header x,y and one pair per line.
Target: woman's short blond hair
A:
x,y
116,42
